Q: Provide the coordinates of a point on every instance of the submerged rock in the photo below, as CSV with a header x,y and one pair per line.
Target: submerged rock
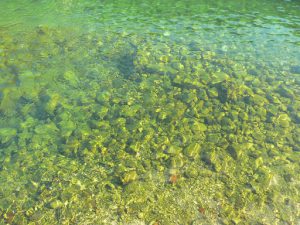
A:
x,y
219,77
174,150
235,150
7,134
129,177
283,120
192,150
56,204
295,69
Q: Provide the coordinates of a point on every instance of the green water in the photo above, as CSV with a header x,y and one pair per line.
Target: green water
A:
x,y
149,112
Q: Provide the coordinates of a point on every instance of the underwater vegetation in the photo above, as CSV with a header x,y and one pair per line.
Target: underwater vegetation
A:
x,y
132,130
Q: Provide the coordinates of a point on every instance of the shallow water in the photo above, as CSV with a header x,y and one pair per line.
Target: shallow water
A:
x,y
149,112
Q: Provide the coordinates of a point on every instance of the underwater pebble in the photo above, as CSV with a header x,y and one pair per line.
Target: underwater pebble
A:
x,y
56,204
129,177
283,120
174,150
192,150
6,134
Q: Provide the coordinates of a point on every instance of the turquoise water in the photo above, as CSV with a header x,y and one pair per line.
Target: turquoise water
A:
x,y
149,112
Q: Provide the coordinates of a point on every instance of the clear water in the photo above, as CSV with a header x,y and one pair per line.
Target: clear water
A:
x,y
149,112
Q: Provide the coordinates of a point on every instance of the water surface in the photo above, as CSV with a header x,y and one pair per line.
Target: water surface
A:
x,y
149,112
